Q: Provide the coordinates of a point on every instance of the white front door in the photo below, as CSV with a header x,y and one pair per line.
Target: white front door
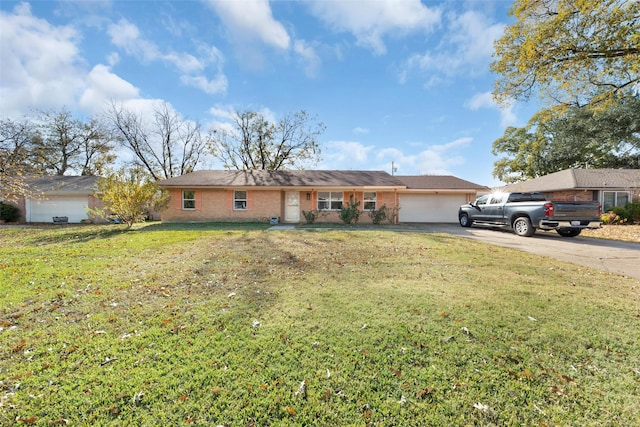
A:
x,y
292,206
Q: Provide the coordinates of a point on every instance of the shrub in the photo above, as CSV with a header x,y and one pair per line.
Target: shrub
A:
x,y
379,215
633,210
310,216
8,212
621,212
350,214
610,218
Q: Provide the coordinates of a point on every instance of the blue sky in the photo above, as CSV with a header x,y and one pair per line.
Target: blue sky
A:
x,y
399,81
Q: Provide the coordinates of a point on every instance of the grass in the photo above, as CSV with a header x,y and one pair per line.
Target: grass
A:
x,y
211,325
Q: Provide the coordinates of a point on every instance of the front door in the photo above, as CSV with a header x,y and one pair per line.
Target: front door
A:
x,y
292,206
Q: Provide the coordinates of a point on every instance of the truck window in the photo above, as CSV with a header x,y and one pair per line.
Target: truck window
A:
x,y
496,199
482,200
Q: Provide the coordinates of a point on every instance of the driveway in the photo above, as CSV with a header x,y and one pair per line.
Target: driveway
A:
x,y
616,257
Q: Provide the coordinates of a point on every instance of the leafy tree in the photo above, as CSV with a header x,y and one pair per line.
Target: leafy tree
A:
x,y
165,145
581,137
15,139
129,196
256,143
572,52
63,144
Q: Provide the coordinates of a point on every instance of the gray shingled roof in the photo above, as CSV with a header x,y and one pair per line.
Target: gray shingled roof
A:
x,y
438,182
289,178
581,179
63,184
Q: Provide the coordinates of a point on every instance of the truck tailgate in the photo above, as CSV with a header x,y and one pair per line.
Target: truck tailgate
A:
x,y
576,210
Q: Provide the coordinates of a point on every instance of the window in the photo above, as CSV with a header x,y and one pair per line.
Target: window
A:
x,y
188,199
330,200
369,201
482,200
240,200
614,198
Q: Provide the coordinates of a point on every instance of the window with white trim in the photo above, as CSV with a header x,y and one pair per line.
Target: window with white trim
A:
x,y
330,200
188,199
369,203
240,200
614,198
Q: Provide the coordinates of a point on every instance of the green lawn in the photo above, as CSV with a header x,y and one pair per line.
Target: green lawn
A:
x,y
237,326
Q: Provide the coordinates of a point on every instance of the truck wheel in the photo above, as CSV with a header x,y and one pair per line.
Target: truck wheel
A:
x,y
568,232
465,221
522,226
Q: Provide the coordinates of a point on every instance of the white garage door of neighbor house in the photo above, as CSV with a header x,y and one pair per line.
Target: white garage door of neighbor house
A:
x,y
430,207
73,207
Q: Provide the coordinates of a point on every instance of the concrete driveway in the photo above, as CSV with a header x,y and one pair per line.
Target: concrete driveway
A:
x,y
621,258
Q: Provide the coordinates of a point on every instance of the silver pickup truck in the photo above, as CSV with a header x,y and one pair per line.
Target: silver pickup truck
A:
x,y
525,212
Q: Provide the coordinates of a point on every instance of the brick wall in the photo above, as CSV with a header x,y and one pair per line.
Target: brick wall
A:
x,y
217,205
572,196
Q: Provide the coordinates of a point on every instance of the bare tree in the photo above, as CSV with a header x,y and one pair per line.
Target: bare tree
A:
x,y
15,140
256,143
64,144
165,145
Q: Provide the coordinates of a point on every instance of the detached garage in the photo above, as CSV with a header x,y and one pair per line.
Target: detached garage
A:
x,y
435,198
60,196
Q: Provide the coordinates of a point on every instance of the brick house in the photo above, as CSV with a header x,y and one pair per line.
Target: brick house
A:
x,y
259,195
610,187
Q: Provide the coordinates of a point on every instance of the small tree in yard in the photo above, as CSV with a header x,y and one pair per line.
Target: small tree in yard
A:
x,y
129,196
350,214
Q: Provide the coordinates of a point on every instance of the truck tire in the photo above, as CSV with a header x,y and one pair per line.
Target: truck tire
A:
x,y
465,221
523,227
568,232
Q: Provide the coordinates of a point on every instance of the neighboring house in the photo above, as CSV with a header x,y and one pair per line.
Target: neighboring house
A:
x,y
610,187
59,196
259,195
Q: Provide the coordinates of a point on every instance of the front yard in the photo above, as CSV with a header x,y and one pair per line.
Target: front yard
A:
x,y
206,325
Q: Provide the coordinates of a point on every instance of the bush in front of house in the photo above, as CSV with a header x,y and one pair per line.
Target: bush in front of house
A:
x,y
350,214
8,212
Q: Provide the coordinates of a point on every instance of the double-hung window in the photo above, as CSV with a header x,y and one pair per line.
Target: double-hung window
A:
x,y
614,198
330,200
240,200
188,199
369,201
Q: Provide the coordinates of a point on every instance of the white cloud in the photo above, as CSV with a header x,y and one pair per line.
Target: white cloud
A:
x,y
360,130
466,47
309,57
127,36
248,20
371,21
104,86
41,66
485,100
434,159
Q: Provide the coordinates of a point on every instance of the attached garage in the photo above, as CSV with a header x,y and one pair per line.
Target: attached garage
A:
x,y
435,198
73,207
421,207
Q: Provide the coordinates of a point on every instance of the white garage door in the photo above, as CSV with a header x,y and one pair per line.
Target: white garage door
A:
x,y
430,207
73,207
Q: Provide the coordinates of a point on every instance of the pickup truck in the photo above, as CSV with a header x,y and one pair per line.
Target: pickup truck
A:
x,y
525,212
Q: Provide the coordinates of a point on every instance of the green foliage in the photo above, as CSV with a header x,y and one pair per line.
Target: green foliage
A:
x,y
575,138
570,52
9,212
128,196
629,213
312,215
350,214
378,215
214,326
